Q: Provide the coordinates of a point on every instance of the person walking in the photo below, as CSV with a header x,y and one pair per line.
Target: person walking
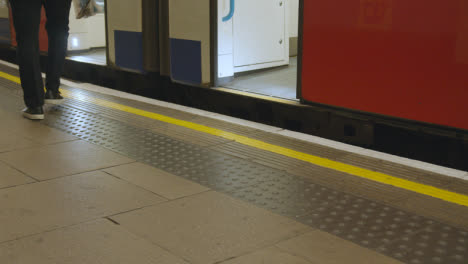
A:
x,y
26,20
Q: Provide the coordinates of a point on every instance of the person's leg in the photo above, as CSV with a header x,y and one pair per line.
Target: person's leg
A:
x,y
57,12
26,20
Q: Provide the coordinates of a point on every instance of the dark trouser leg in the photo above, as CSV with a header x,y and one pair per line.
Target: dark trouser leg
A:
x,y
58,12
26,19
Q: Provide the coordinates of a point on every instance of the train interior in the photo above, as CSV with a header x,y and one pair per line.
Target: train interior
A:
x,y
258,54
87,41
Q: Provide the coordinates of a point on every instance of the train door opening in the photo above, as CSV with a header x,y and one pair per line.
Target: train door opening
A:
x,y
87,40
258,46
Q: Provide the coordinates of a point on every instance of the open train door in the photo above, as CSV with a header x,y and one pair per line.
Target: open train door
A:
x,y
133,38
189,41
256,49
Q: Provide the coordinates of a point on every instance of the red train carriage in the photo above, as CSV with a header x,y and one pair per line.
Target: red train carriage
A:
x,y
399,58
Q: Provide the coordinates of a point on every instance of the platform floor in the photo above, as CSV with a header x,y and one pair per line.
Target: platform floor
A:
x,y
105,179
280,82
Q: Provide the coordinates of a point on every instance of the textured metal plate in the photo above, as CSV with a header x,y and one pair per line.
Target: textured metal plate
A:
x,y
290,196
365,222
435,244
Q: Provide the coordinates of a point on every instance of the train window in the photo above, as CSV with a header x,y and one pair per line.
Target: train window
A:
x,y
257,46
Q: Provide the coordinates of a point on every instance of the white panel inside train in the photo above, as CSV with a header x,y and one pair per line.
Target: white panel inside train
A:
x,y
254,35
190,41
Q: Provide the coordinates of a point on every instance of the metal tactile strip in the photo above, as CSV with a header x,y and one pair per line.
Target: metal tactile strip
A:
x,y
216,170
433,245
229,174
364,222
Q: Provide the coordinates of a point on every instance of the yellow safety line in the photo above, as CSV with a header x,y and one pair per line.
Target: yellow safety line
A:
x,y
10,77
432,191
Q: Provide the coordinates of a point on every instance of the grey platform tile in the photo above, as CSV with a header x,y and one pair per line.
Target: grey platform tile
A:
x,y
11,97
11,106
35,208
52,161
5,115
37,132
271,255
11,177
323,248
9,141
9,91
157,181
209,227
97,242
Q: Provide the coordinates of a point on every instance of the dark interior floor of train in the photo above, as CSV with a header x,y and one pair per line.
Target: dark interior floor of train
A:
x,y
279,82
96,56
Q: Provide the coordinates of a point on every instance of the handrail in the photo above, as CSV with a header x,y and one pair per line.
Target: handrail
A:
x,y
231,11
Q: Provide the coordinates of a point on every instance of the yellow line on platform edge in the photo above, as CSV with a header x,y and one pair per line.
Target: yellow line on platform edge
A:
x,y
428,190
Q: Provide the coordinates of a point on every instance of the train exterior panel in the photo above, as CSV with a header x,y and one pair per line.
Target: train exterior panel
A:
x,y
399,58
